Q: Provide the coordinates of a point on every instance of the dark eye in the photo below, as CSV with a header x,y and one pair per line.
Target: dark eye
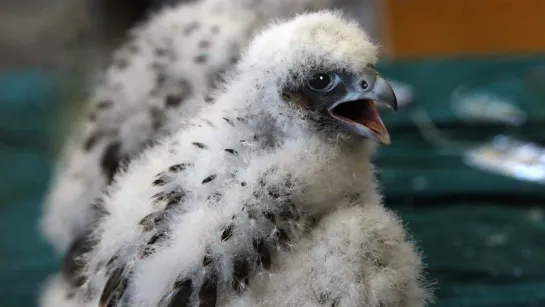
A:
x,y
321,82
364,84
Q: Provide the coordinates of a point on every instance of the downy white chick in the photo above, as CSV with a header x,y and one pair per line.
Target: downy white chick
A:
x,y
158,77
269,197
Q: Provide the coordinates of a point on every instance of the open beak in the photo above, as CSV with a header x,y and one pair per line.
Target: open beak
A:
x,y
358,112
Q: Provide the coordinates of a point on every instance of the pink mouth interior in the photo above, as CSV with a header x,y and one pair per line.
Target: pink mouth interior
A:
x,y
362,112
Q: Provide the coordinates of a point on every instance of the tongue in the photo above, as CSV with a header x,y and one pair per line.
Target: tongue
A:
x,y
364,113
372,121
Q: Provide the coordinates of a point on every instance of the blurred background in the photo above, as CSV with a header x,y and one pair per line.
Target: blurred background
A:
x,y
466,169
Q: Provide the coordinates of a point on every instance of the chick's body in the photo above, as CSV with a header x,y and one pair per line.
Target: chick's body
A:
x,y
262,200
156,82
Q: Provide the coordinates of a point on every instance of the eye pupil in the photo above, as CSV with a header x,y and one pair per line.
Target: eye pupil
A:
x,y
320,82
364,85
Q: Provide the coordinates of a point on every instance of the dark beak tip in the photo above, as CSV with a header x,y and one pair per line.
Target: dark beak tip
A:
x,y
392,104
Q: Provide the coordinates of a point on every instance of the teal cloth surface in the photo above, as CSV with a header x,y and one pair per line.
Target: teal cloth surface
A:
x,y
26,111
482,234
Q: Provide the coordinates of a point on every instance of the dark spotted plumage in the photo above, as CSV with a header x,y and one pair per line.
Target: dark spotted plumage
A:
x,y
160,181
98,207
270,216
200,145
228,121
204,44
121,63
323,298
215,196
73,263
160,52
158,66
216,78
150,247
233,60
201,58
273,192
112,260
241,273
260,257
160,80
280,235
173,101
146,252
160,217
250,213
115,287
178,167
158,237
227,232
208,292
289,212
209,99
157,118
263,254
191,27
175,198
208,179
112,160
104,104
209,123
160,196
149,221
181,293
185,88
207,259
91,141
71,294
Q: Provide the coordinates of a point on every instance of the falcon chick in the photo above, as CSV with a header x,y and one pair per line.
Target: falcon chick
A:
x,y
159,77
268,198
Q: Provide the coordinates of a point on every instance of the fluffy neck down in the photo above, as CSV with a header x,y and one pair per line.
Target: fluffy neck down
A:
x,y
273,130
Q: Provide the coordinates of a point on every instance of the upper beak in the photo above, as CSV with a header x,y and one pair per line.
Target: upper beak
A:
x,y
382,92
358,112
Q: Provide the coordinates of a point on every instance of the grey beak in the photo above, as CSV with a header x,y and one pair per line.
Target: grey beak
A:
x,y
363,118
383,92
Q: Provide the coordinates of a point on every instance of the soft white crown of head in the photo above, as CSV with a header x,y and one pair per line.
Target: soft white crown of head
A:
x,y
319,40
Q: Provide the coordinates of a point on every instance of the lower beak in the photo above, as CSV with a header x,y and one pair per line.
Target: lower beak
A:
x,y
359,113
